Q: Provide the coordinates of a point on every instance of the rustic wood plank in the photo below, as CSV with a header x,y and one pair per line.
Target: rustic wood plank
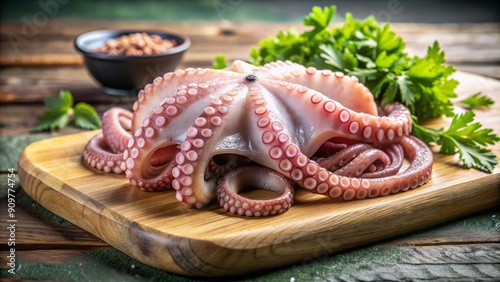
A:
x,y
479,229
45,231
149,218
487,70
52,46
33,84
17,120
53,42
462,262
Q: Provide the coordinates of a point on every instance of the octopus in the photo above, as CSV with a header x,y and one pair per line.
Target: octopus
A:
x,y
212,134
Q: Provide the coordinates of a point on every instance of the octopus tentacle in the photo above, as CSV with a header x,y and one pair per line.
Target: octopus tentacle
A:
x,y
364,161
158,132
167,85
116,125
396,154
341,158
220,164
347,188
254,177
335,120
336,86
196,152
329,148
356,160
97,154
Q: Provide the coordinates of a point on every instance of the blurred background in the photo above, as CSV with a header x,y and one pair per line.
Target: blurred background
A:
x,y
421,11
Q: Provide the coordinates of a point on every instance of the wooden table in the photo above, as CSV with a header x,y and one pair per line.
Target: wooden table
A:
x,y
48,247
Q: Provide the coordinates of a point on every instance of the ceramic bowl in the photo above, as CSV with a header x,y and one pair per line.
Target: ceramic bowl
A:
x,y
126,75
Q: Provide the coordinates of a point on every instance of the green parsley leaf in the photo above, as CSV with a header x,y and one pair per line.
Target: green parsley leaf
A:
x,y
332,57
376,55
60,113
66,99
219,62
86,117
466,138
319,19
52,119
477,100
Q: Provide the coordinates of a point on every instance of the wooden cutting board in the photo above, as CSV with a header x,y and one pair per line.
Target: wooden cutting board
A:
x,y
154,228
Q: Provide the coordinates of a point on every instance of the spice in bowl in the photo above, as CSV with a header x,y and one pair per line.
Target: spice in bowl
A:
x,y
136,44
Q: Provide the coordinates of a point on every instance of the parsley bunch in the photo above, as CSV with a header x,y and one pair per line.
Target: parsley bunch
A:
x,y
376,55
60,112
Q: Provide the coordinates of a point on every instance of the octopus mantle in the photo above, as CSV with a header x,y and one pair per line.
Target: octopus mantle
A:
x,y
210,133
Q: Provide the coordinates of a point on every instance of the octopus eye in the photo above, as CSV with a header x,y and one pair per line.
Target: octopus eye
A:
x,y
251,77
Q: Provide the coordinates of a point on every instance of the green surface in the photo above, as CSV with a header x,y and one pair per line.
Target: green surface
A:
x,y
12,146
193,10
112,265
487,222
245,10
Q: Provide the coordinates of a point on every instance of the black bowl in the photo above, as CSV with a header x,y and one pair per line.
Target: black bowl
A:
x,y
126,75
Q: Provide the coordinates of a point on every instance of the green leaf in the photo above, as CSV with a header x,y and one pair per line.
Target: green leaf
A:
x,y
407,95
390,93
52,119
66,99
52,102
468,139
319,18
388,41
332,57
426,134
478,158
384,61
434,52
86,117
369,63
59,114
219,62
477,100
363,74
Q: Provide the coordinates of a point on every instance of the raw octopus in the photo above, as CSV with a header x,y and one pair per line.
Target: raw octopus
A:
x,y
214,133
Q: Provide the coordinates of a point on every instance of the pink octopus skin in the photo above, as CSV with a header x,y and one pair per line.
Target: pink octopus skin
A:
x,y
275,116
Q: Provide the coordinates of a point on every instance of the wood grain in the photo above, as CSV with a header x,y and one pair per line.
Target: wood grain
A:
x,y
441,263
157,230
54,43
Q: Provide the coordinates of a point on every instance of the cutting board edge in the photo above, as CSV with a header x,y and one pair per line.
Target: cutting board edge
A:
x,y
201,267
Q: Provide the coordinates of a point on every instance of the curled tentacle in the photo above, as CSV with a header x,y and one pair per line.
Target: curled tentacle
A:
x,y
343,157
347,188
254,177
97,154
116,125
364,161
396,155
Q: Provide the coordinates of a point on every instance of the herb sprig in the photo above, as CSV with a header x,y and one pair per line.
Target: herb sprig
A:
x,y
376,55
60,112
